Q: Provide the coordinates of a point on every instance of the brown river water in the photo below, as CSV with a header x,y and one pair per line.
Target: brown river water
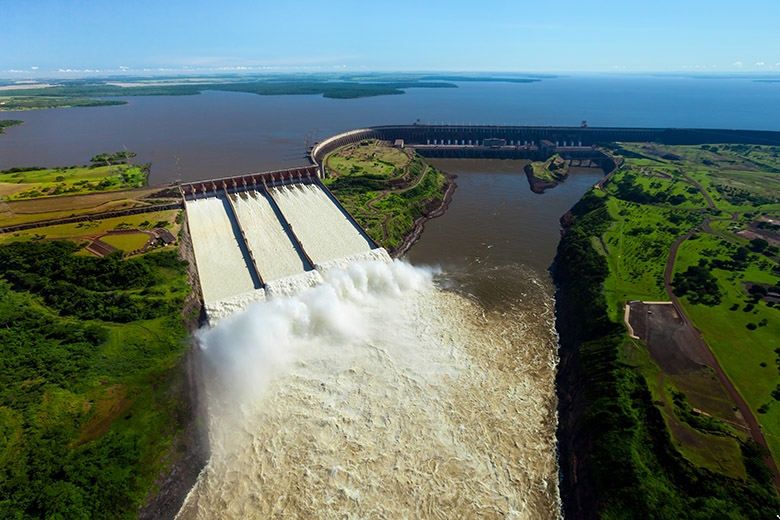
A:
x,y
423,389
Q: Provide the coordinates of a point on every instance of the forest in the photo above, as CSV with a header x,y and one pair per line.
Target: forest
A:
x,y
89,350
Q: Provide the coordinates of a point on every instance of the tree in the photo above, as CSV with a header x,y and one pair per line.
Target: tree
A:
x,y
758,245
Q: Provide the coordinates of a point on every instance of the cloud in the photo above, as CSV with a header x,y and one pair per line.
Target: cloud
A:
x,y
759,63
34,68
737,64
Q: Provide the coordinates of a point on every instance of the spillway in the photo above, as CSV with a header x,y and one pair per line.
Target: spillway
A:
x,y
271,239
274,251
222,266
324,230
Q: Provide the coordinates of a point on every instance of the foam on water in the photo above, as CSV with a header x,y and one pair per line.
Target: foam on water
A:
x,y
378,395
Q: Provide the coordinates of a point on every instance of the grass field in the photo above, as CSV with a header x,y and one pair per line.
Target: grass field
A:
x,y
653,200
553,169
81,230
28,184
126,242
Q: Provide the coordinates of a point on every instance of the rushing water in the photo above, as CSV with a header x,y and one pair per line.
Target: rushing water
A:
x,y
274,251
222,266
378,395
324,231
386,390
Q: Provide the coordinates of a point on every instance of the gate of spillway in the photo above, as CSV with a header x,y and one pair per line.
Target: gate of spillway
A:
x,y
268,233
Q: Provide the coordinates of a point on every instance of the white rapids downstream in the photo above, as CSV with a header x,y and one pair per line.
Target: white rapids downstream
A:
x,y
379,395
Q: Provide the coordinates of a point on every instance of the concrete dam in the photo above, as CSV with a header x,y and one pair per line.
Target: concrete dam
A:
x,y
267,233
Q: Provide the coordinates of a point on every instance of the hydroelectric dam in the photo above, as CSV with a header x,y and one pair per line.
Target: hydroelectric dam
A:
x,y
261,234
268,233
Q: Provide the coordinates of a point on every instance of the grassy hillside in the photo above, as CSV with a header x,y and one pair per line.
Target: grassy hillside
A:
x,y
90,349
386,189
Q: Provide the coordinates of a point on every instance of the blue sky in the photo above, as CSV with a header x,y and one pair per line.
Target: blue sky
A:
x,y
46,36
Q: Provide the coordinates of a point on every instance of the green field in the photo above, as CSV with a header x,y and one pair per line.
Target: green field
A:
x,y
620,242
385,189
126,242
554,169
653,202
27,183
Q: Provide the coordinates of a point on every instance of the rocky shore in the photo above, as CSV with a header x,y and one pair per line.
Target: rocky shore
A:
x,y
419,224
574,443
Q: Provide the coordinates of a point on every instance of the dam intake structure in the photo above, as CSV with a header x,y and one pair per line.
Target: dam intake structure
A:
x,y
268,233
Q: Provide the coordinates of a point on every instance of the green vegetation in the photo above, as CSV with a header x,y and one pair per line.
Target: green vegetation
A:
x,y
554,169
108,172
126,242
89,351
386,189
8,123
9,102
79,231
83,94
653,455
636,470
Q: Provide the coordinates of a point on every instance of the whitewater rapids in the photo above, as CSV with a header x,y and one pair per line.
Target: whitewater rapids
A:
x,y
379,395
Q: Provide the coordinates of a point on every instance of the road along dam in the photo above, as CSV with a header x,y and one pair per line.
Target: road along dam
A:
x,y
268,233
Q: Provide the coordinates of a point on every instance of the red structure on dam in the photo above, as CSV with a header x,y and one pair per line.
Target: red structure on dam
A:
x,y
211,187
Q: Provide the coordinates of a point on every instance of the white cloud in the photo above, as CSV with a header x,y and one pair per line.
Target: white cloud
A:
x,y
759,63
737,64
34,68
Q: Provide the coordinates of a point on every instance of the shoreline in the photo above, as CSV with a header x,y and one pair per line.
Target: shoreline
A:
x,y
419,223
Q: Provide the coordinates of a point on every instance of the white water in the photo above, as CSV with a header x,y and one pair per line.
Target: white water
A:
x,y
222,269
324,231
377,395
273,250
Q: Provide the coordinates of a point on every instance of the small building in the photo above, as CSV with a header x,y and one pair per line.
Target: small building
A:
x,y
398,143
165,236
547,147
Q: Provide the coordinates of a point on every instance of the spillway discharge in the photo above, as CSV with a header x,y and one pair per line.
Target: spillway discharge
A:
x,y
376,394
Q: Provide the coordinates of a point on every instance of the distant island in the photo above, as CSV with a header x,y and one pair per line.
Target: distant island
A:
x,y
85,93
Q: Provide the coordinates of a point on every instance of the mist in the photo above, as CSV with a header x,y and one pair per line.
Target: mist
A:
x,y
378,395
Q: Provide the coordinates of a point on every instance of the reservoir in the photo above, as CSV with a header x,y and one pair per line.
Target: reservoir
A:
x,y
219,134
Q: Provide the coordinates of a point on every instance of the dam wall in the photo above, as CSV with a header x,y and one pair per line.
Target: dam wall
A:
x,y
531,142
211,187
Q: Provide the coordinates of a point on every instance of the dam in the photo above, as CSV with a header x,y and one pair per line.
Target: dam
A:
x,y
264,233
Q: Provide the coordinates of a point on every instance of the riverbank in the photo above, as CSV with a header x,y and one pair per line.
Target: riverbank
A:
x,y
419,224
623,447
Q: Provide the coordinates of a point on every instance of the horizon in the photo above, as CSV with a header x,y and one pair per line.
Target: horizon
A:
x,y
90,37
37,76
